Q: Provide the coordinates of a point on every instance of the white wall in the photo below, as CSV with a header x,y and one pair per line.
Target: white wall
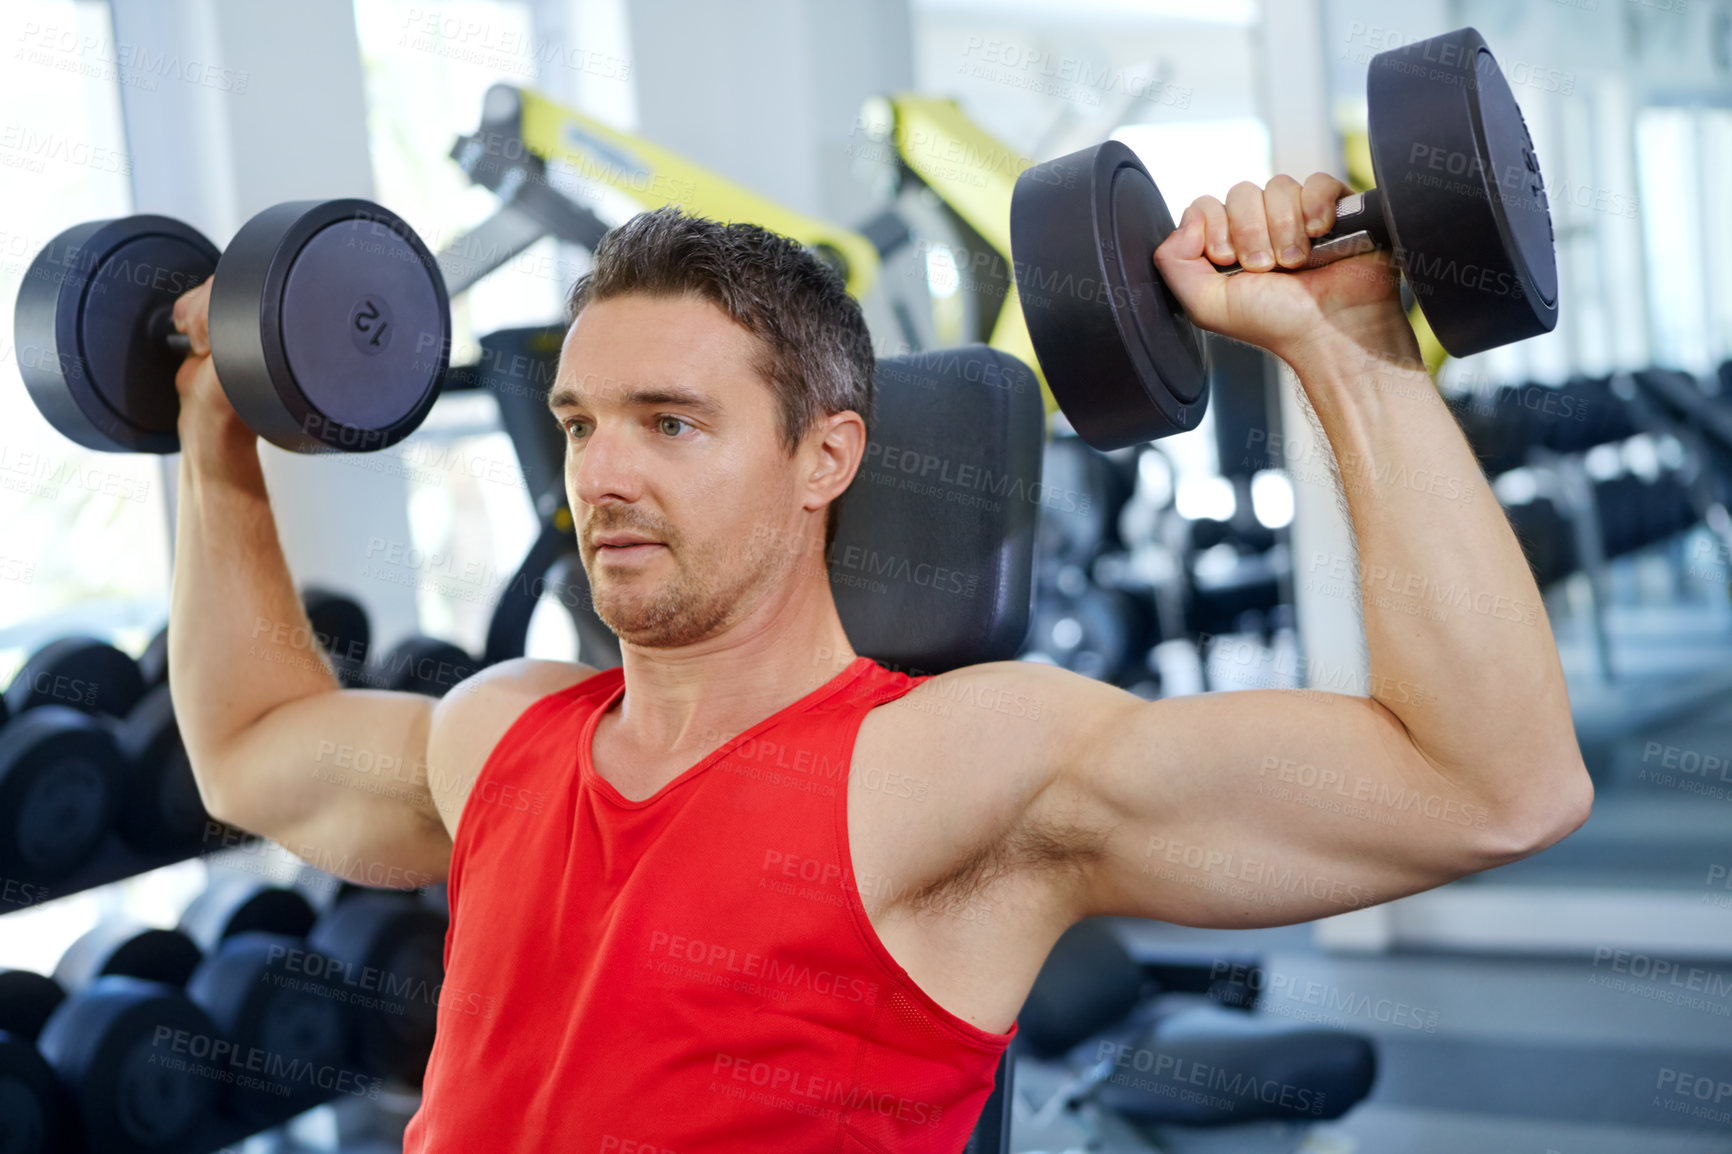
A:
x,y
766,92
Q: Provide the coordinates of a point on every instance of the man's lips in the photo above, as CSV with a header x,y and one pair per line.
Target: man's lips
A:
x,y
627,552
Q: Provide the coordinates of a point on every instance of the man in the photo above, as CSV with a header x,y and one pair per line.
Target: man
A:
x,y
750,892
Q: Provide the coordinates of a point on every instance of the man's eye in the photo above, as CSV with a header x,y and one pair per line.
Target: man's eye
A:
x,y
570,426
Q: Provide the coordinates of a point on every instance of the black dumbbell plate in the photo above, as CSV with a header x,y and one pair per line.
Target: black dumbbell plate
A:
x,y
82,327
330,326
1122,360
1463,193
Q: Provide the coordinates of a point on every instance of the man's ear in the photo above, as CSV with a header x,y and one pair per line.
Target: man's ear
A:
x,y
839,447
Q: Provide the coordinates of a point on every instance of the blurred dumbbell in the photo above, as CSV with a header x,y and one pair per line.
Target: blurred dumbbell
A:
x,y
134,1055
341,628
286,1027
1496,429
1240,597
128,948
35,1113
161,809
1099,633
1582,413
1081,493
401,942
153,662
238,905
61,777
1547,538
158,806
78,672
1636,512
270,995
420,664
291,1028
26,1000
1244,534
127,1041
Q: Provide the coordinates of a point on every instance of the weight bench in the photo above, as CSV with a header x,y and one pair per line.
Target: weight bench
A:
x,y
1091,1002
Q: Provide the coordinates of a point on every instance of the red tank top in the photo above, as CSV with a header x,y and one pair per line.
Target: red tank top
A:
x,y
687,973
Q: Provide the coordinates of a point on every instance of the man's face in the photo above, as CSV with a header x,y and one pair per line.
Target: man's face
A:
x,y
672,436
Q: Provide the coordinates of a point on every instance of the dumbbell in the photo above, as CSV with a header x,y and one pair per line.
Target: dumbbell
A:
x,y
113,1040
134,1055
1498,430
1635,512
253,984
128,948
292,1030
236,904
81,672
421,664
341,628
1583,412
35,1114
159,807
1459,203
329,326
61,778
1574,417
401,942
1241,599
153,662
1547,538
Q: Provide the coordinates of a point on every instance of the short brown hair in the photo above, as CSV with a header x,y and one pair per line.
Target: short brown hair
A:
x,y
817,353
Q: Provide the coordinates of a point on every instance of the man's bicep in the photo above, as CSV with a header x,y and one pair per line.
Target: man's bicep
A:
x,y
1265,807
340,780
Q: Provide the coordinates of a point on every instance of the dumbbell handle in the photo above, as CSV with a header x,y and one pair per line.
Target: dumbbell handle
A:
x,y
162,329
1359,228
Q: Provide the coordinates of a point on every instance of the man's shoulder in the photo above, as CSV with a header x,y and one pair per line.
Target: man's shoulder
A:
x,y
998,716
469,721
498,695
529,676
997,690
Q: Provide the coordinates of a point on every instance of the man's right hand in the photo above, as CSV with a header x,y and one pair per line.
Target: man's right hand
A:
x,y
204,406
1303,313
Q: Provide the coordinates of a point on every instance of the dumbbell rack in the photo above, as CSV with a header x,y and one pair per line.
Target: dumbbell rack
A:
x,y
1598,529
45,1039
116,862
386,1107
1664,402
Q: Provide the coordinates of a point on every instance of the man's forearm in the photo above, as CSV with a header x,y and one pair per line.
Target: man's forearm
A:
x,y
1460,647
239,641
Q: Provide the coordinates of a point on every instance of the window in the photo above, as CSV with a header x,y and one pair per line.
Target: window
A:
x,y
85,546
1669,168
427,68
1684,157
